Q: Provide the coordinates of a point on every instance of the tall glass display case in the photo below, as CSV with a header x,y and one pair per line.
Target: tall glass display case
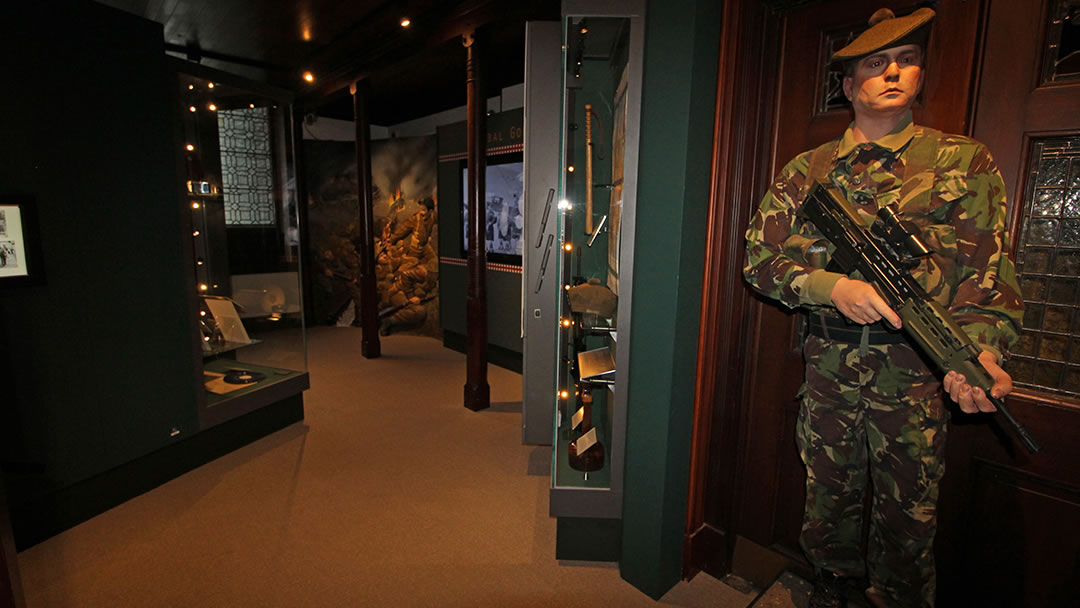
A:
x,y
239,185
594,236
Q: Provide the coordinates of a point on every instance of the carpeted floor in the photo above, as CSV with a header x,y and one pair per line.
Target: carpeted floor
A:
x,y
390,493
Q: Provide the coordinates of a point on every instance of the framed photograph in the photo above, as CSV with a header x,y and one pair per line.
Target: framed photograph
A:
x,y
504,206
20,249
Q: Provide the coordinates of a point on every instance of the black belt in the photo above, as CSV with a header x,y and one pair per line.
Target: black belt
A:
x,y
841,330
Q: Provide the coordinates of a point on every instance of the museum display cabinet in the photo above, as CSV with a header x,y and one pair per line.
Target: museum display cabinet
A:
x,y
590,253
239,184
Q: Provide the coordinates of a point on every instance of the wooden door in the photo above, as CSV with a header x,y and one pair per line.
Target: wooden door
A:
x,y
1010,521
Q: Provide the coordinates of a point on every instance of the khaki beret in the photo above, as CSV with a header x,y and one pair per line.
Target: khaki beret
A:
x,y
887,30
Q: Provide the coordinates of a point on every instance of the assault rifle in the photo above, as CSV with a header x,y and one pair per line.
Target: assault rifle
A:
x,y
884,255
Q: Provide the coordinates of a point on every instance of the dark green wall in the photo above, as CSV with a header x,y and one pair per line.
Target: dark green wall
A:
x,y
503,288
97,365
681,45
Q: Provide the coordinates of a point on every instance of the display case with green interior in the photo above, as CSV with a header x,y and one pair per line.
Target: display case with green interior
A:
x,y
245,242
602,56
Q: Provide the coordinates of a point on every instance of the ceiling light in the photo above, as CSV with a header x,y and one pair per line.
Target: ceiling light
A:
x,y
405,22
213,108
209,85
192,108
308,76
190,147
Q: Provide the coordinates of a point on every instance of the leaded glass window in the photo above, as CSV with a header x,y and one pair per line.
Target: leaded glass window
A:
x,y
247,166
1062,58
832,89
1047,357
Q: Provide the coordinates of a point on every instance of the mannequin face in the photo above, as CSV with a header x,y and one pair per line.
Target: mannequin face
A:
x,y
886,82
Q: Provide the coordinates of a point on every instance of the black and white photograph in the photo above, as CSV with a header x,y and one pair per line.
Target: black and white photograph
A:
x,y
505,214
12,243
8,256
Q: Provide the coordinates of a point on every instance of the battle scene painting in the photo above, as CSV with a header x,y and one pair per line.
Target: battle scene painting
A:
x,y
403,173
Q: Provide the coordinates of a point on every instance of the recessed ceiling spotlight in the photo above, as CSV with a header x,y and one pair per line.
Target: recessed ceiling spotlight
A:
x,y
209,85
308,76
405,22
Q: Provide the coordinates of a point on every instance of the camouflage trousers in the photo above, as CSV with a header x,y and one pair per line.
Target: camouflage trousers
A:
x,y
877,416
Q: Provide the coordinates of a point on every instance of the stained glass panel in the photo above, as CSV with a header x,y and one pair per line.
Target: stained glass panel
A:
x,y
1047,202
1058,319
832,89
1047,356
1062,57
247,166
1037,260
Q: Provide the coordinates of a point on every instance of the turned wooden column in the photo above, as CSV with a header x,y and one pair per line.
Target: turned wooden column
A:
x,y
477,391
370,347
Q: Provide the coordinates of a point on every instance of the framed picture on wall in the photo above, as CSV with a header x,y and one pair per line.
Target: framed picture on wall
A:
x,y
505,221
20,248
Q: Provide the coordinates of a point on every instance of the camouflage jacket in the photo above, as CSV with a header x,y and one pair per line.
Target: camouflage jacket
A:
x,y
962,218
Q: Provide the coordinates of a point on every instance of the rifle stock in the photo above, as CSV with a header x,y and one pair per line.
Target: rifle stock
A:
x,y
883,265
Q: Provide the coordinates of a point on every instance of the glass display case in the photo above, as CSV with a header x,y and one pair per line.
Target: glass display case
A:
x,y
594,236
239,185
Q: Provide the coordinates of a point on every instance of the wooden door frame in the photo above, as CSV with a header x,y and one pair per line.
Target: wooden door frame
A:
x,y
741,154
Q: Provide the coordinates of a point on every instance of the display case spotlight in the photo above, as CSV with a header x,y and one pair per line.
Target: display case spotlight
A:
x,y
202,313
570,168
565,204
203,287
568,247
209,85
190,147
566,287
566,322
213,108
195,205
308,76
563,394
584,30
405,22
191,87
251,105
192,108
196,233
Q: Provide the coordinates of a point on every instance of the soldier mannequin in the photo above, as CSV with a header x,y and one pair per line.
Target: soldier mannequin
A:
x,y
870,404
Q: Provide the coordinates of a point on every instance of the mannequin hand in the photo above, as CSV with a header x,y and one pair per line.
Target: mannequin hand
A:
x,y
860,302
973,400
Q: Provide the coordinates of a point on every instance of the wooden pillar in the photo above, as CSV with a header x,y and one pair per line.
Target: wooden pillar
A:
x,y
11,593
370,347
477,391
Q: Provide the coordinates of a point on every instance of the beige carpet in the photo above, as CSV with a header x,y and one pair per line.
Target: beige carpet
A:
x,y
390,493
